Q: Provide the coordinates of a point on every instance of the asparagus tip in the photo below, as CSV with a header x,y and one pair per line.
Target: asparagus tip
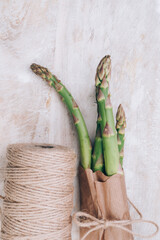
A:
x,y
41,71
120,113
120,118
104,67
33,66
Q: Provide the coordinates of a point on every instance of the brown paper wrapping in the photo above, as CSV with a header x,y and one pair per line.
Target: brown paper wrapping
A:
x,y
104,198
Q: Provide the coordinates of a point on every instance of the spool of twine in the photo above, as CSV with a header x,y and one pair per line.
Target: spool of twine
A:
x,y
38,192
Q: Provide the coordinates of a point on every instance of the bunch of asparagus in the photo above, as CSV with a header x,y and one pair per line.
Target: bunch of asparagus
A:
x,y
107,152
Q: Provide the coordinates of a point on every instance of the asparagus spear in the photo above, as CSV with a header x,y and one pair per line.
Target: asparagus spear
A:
x,y
120,127
102,83
85,144
109,113
111,154
103,74
101,109
97,156
102,86
109,136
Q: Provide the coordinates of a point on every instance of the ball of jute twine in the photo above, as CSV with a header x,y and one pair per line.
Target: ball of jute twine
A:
x,y
38,192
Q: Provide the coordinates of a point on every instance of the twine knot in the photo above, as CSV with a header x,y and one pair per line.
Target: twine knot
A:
x,y
85,220
106,224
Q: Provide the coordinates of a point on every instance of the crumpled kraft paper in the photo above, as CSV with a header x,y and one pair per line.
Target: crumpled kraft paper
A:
x,y
104,198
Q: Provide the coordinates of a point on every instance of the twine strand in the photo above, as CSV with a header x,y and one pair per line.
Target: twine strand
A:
x,y
86,220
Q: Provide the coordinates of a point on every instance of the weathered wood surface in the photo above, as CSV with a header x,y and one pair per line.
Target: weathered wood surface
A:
x,y
70,37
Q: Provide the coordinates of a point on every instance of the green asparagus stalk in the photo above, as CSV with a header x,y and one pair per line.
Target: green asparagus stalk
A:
x,y
97,156
101,109
111,153
102,83
102,86
85,144
120,127
109,135
103,73
109,113
110,149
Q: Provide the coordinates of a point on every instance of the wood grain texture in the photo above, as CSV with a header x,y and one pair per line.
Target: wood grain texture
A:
x,y
70,37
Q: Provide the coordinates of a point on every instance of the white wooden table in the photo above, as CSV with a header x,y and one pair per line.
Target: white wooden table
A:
x,y
70,37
